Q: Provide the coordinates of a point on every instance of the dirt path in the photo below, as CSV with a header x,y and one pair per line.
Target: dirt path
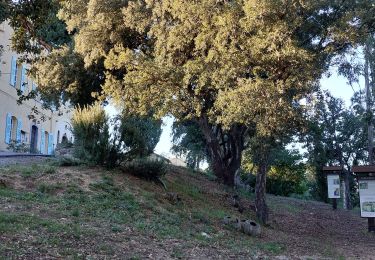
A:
x,y
314,226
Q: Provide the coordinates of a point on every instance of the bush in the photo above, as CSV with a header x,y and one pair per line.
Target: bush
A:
x,y
18,147
64,145
138,134
146,168
91,132
131,137
68,161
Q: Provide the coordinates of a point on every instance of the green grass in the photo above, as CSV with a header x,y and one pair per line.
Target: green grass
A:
x,y
109,206
49,188
188,189
290,207
15,223
107,202
29,170
66,216
27,196
272,247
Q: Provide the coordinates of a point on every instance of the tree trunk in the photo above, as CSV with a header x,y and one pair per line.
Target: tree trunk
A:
x,y
347,190
263,146
344,195
224,149
260,191
370,125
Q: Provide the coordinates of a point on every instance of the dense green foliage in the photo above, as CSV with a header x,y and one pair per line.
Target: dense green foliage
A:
x,y
188,141
139,135
336,136
4,10
286,174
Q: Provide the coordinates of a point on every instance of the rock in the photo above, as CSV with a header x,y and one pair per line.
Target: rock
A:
x,y
204,234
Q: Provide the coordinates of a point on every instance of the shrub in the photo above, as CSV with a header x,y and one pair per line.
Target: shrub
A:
x,y
18,147
138,134
64,145
146,168
68,161
131,137
91,132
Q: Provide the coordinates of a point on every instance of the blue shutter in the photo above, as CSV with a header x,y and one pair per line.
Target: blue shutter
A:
x,y
33,86
42,141
50,144
13,72
19,128
23,78
8,128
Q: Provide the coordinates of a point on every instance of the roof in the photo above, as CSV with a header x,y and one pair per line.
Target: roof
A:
x,y
363,169
332,168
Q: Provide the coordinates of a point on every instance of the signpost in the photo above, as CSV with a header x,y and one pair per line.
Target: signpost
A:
x,y
366,185
333,182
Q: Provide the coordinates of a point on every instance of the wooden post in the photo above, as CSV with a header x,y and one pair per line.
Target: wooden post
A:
x,y
334,204
371,224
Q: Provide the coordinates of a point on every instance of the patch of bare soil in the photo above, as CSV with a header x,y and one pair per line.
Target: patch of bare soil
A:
x,y
315,227
81,177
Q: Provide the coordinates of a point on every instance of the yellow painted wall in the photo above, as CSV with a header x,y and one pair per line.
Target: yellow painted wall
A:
x,y
9,97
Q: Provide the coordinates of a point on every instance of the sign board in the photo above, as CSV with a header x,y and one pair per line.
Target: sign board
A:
x,y
366,186
333,183
367,197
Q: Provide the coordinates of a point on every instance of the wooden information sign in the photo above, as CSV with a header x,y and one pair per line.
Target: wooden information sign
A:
x,y
333,182
366,186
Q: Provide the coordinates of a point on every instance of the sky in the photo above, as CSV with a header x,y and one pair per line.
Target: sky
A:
x,y
338,87
336,84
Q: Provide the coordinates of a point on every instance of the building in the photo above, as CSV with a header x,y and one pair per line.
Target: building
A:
x,y
17,123
178,162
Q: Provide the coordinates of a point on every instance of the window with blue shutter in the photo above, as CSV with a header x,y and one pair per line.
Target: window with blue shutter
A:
x,y
8,128
19,128
13,72
33,86
42,141
50,144
23,78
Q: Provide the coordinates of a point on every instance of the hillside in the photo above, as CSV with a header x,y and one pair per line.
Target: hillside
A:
x,y
90,213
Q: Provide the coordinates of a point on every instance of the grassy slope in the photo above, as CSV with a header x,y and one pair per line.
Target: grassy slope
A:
x,y
80,212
